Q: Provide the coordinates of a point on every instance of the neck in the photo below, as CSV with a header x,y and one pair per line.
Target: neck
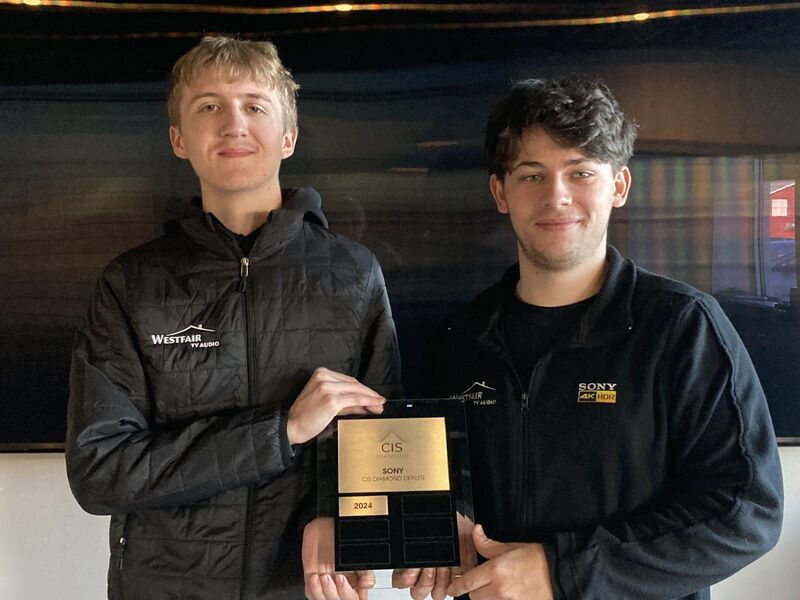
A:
x,y
242,212
548,287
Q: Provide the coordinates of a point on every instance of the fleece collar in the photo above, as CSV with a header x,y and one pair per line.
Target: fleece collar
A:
x,y
609,316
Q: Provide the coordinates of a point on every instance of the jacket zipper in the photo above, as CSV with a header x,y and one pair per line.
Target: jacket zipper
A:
x,y
244,273
525,500
524,409
122,543
116,585
528,495
526,391
523,397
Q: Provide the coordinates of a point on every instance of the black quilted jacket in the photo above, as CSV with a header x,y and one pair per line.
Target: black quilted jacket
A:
x,y
181,380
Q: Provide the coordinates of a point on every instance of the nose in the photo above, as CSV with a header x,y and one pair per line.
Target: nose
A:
x,y
559,193
234,124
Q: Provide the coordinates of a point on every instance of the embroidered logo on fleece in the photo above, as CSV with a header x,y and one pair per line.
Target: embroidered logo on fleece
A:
x,y
192,335
597,393
477,392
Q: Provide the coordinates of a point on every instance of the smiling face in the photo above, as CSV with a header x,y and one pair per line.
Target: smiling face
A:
x,y
559,202
232,133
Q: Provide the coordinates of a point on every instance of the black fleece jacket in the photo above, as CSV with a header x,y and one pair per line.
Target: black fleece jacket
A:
x,y
641,453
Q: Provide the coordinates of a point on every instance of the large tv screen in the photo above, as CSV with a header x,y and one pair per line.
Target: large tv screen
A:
x,y
394,145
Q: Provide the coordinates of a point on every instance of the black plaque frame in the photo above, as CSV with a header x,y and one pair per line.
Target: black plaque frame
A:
x,y
420,525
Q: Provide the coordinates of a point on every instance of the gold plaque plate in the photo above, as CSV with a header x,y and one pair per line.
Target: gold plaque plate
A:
x,y
363,506
393,455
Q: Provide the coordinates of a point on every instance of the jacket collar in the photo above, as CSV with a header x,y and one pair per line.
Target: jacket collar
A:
x,y
298,206
305,201
609,316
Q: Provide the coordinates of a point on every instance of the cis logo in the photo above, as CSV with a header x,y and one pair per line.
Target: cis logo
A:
x,y
391,443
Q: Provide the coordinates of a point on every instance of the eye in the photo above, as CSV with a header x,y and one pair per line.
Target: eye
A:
x,y
582,174
209,108
532,178
256,109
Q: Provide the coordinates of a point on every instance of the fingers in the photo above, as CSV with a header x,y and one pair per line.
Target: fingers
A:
x,y
471,581
332,391
313,588
321,374
366,579
375,409
404,578
352,401
439,591
485,546
326,395
360,580
424,584
335,396
333,386
329,587
317,550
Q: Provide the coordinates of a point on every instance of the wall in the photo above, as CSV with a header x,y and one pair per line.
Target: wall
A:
x,y
50,549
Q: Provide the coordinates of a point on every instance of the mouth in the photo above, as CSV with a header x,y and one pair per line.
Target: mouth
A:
x,y
235,152
557,224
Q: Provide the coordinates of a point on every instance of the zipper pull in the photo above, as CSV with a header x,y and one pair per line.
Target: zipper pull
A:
x,y
122,543
244,271
524,401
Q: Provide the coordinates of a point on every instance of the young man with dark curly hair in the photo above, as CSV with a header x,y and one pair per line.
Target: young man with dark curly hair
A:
x,y
620,441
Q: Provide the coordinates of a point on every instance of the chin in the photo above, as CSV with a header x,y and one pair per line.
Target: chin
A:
x,y
556,260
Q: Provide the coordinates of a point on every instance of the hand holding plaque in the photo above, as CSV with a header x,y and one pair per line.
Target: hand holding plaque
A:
x,y
326,395
318,563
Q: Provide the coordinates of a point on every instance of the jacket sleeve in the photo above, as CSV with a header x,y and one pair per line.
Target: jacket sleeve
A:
x,y
724,508
380,355
116,461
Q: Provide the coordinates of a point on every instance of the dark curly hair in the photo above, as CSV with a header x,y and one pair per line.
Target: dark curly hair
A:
x,y
577,111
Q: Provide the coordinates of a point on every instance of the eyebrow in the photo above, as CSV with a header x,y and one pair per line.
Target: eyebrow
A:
x,y
537,165
214,96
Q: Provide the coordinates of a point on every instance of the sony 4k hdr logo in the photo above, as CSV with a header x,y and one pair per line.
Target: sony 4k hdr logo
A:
x,y
597,393
191,335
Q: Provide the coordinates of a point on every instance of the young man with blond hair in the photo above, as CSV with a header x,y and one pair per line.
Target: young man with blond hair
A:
x,y
621,446
213,355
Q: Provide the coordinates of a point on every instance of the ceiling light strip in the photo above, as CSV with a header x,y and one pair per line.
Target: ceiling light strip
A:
x,y
99,6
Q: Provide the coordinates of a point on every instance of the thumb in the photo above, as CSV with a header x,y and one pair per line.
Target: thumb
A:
x,y
486,547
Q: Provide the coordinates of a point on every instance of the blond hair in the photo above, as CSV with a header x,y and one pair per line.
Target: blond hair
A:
x,y
237,58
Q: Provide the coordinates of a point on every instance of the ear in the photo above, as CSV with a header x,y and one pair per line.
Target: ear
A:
x,y
176,139
289,141
622,185
499,194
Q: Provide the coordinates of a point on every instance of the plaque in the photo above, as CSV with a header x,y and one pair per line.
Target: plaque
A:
x,y
397,487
